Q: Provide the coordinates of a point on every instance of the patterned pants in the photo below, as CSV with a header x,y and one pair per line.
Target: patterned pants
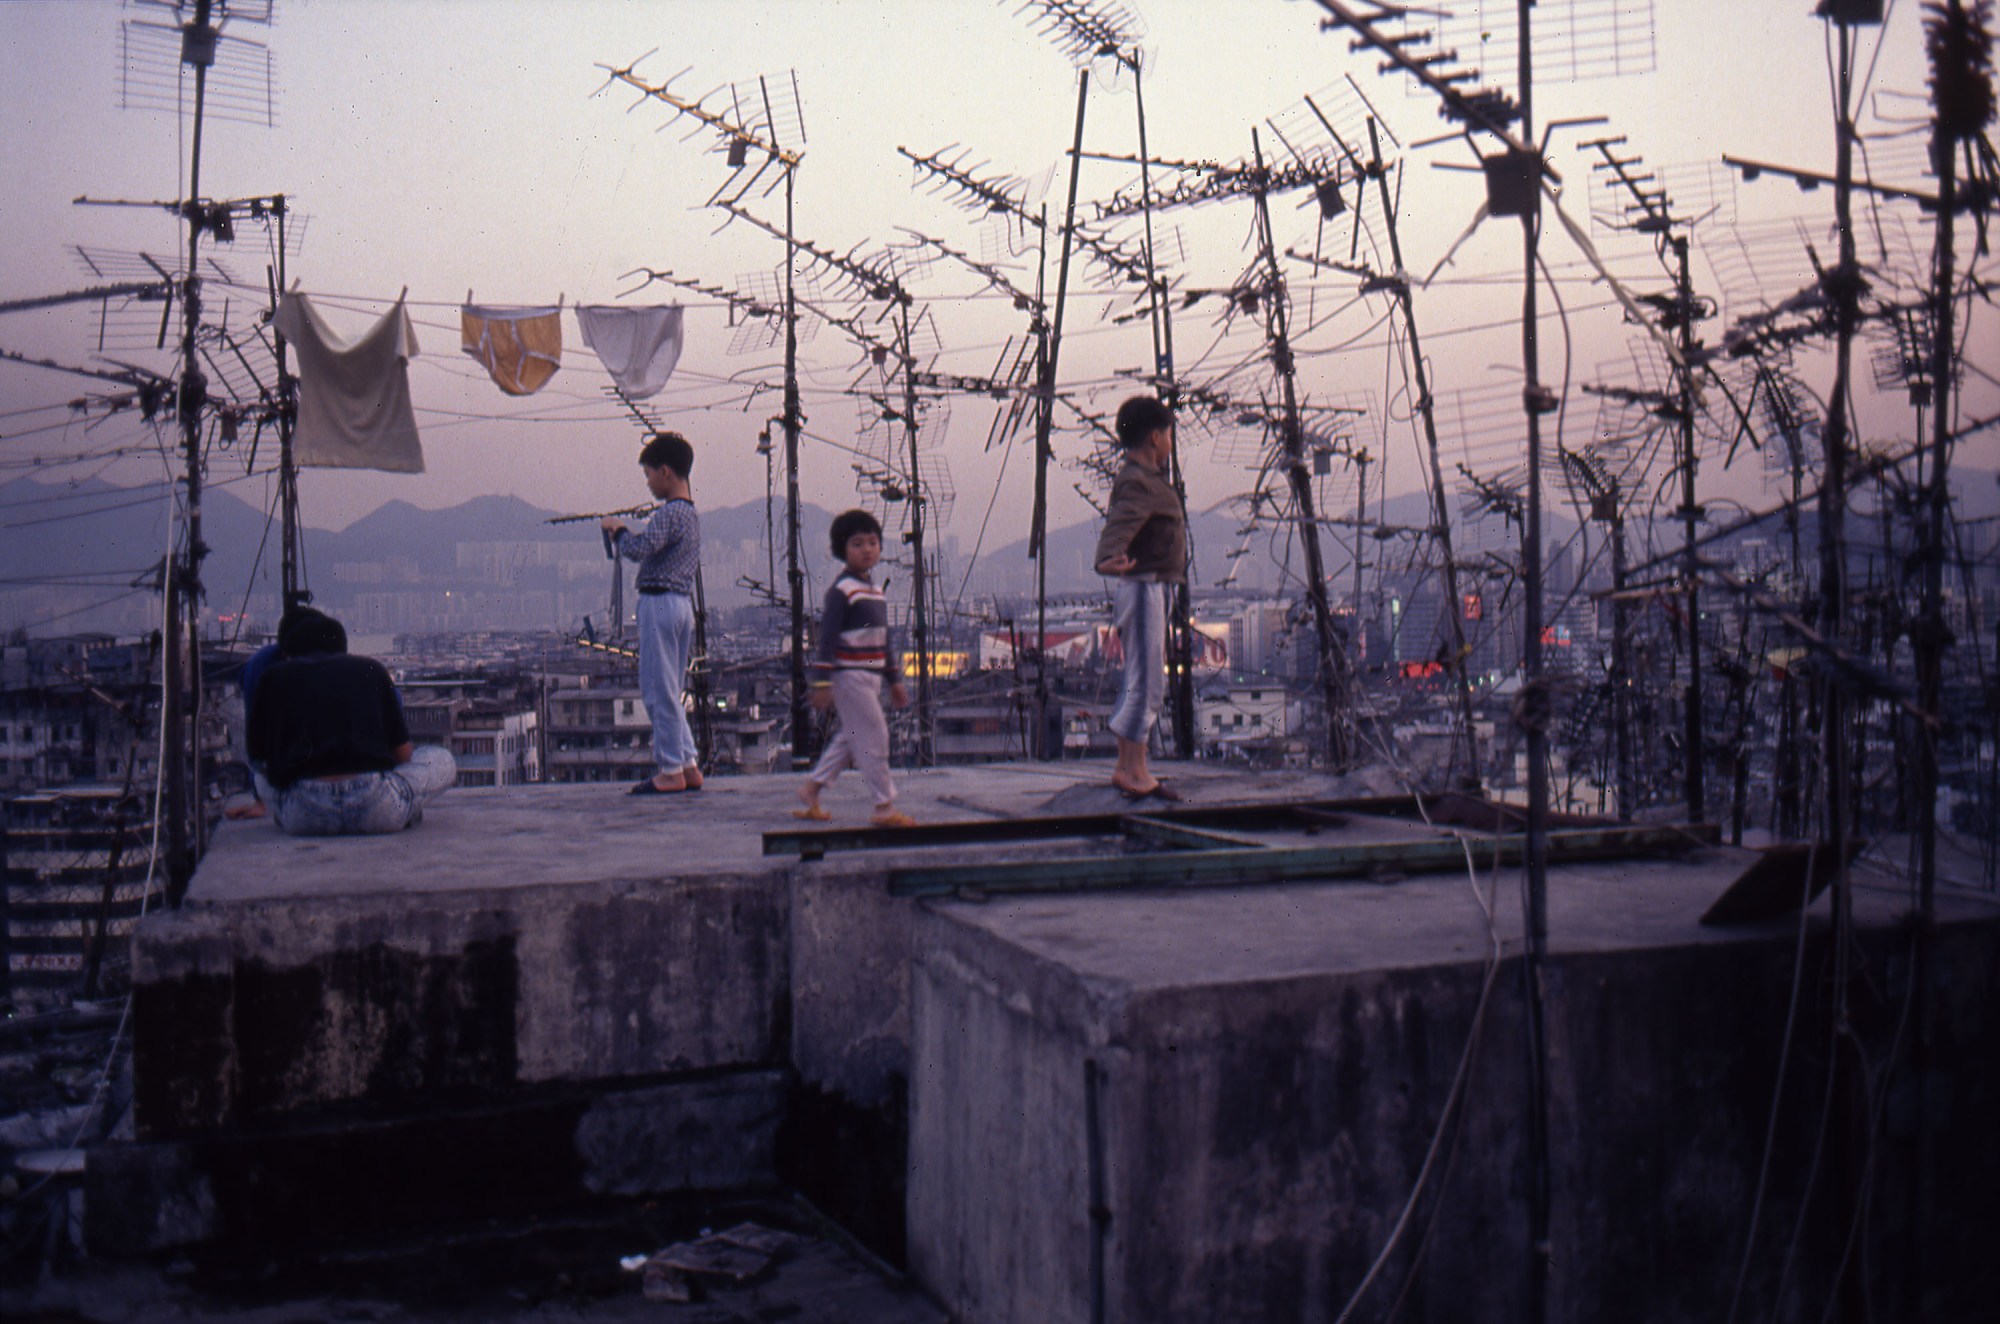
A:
x,y
368,802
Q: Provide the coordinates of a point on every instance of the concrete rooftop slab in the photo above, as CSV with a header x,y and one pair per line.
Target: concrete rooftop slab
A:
x,y
534,835
1194,936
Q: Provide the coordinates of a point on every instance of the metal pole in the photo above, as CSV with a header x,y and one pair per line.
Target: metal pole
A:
x,y
182,716
1621,665
1848,1110
1440,500
1038,527
1790,810
795,577
1690,516
701,677
1331,669
1040,743
290,594
1534,703
1360,518
920,577
1931,636
1180,640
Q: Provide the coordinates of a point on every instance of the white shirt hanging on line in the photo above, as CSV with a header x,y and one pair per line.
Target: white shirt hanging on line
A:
x,y
354,395
638,346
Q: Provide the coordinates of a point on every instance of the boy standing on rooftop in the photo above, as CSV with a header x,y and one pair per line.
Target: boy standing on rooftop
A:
x,y
855,655
668,551
1143,544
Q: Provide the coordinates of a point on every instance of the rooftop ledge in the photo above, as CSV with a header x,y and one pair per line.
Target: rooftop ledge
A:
x,y
487,840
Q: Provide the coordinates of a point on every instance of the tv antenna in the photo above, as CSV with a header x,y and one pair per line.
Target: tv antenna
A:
x,y
760,134
232,80
1093,33
1396,284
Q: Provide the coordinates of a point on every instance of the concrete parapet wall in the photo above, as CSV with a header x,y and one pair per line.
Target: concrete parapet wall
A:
x,y
1251,1141
542,1151
255,1012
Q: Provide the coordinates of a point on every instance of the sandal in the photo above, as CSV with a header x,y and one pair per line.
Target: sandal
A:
x,y
893,819
811,815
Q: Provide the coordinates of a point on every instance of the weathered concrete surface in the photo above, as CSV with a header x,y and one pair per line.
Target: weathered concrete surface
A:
x,y
1272,1065
846,1138
253,1012
537,934
530,943
554,1270
263,1188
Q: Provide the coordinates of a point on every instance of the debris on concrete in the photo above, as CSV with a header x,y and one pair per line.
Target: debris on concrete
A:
x,y
733,1257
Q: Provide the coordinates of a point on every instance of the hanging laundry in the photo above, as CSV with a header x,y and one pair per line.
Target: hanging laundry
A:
x,y
520,347
638,346
354,396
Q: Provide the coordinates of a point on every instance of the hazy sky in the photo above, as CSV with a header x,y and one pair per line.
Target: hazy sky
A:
x,y
450,146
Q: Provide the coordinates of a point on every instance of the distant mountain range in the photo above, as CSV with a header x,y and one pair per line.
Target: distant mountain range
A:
x,y
67,545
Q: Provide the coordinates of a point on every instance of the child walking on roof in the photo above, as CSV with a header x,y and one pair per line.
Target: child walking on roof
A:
x,y
855,655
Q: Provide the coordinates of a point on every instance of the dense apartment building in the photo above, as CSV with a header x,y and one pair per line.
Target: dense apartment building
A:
x,y
67,709
1250,718
598,731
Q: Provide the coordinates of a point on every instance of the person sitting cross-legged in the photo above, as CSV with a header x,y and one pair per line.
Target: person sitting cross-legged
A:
x,y
327,730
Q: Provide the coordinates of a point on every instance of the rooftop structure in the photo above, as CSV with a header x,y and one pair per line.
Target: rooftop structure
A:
x,y
1065,1055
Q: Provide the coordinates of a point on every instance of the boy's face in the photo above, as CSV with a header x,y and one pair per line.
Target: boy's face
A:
x,y
659,480
863,551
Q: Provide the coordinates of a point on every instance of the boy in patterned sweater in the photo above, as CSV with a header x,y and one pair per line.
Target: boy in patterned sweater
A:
x,y
668,551
855,655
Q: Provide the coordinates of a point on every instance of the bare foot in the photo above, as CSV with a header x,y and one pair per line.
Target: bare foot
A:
x,y
243,810
667,785
691,777
1136,789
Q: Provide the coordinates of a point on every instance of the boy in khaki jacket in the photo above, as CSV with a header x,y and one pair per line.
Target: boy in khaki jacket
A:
x,y
1143,544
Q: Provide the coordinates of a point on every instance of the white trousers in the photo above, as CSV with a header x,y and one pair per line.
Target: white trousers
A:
x,y
863,739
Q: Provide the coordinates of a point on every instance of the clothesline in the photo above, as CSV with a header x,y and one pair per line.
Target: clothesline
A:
x,y
355,410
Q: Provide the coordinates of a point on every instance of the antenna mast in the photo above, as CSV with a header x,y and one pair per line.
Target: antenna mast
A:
x,y
742,135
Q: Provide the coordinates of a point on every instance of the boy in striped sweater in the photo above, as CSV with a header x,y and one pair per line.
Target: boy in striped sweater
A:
x,y
855,655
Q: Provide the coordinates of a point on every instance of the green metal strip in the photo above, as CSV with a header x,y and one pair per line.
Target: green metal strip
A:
x,y
814,843
1244,868
1167,832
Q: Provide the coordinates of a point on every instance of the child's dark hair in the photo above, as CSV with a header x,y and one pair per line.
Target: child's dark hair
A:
x,y
1139,418
848,523
669,450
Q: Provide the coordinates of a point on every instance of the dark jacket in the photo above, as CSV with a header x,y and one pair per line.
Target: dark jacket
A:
x,y
325,715
1145,521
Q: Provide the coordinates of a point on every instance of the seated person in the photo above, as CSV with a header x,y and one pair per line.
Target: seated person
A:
x,y
254,667
327,732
